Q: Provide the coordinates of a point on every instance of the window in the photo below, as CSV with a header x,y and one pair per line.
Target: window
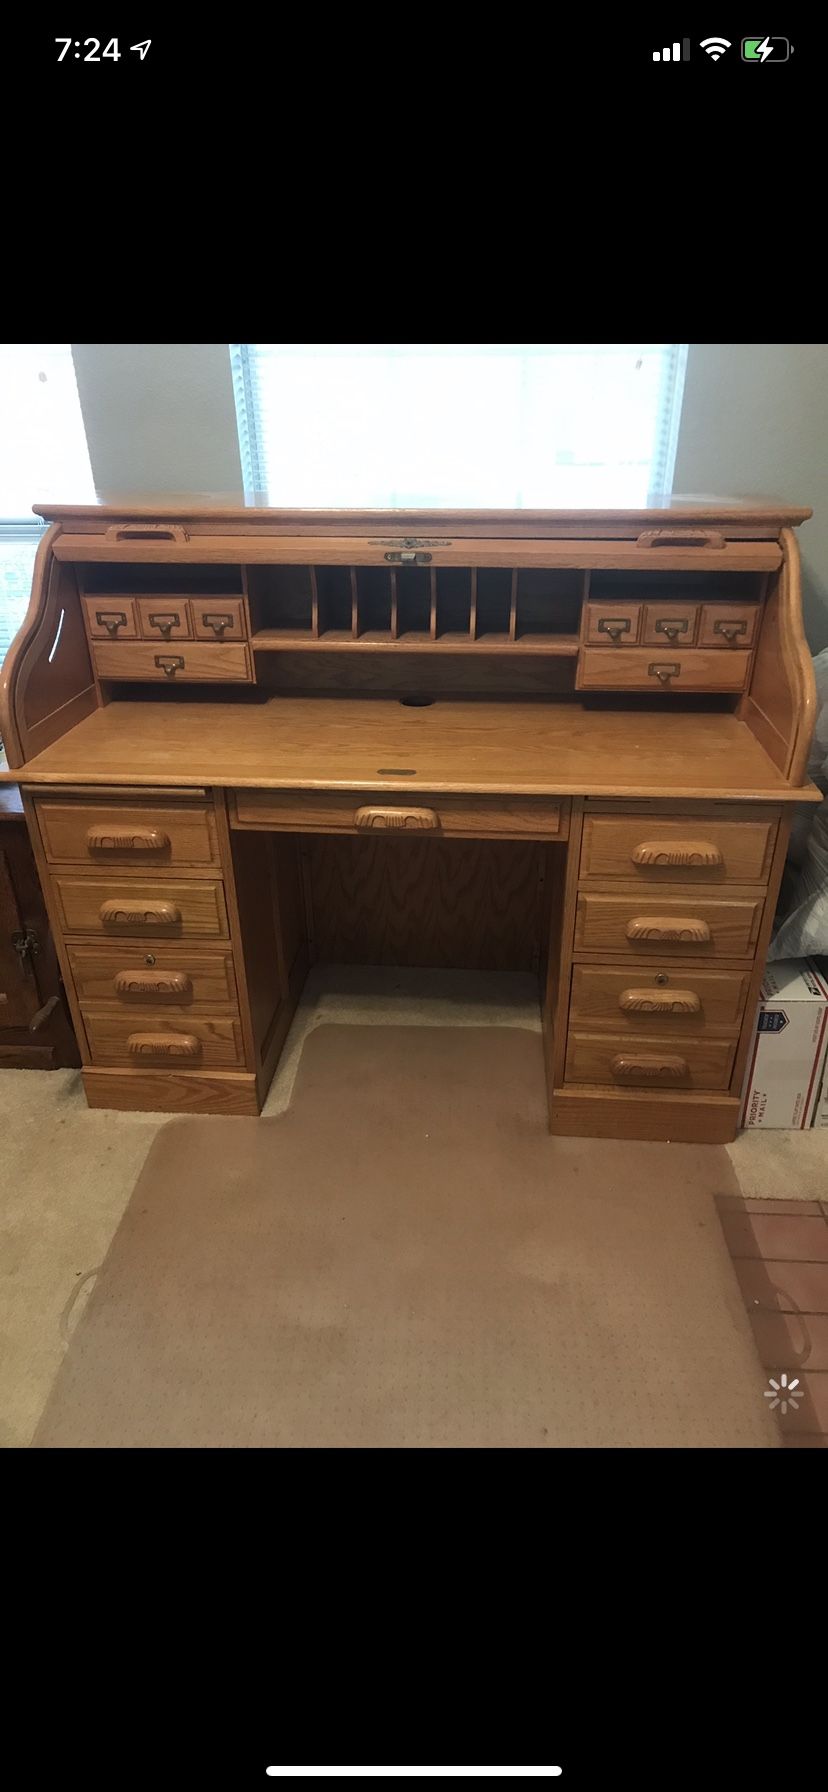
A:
x,y
457,425
43,454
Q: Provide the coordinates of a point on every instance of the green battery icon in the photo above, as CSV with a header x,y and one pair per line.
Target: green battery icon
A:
x,y
765,49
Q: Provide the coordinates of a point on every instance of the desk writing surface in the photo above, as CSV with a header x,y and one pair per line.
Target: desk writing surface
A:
x,y
532,748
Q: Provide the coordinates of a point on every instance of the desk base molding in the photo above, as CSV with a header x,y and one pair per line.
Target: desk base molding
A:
x,y
606,1114
172,1091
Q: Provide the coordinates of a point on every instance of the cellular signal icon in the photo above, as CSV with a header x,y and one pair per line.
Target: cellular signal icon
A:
x,y
678,52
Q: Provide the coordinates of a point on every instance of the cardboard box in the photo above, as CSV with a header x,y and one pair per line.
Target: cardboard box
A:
x,y
787,1057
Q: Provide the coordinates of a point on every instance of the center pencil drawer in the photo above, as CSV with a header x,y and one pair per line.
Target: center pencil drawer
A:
x,y
139,834
672,849
348,812
114,906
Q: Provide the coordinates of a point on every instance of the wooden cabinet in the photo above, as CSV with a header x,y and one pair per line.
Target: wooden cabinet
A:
x,y
35,1030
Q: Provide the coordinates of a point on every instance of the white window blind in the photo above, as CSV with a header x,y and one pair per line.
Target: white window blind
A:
x,y
458,425
43,454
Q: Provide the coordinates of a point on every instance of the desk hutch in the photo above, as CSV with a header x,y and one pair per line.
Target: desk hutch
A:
x,y
560,742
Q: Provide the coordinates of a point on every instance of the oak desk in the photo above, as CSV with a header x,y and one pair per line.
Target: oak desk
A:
x,y
565,743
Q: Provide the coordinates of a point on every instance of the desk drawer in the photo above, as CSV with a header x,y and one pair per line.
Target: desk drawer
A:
x,y
638,998
168,662
649,1062
686,924
174,1041
111,618
153,976
672,849
164,618
115,907
140,834
218,618
334,812
668,667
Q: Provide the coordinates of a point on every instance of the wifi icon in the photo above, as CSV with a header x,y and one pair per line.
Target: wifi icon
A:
x,y
715,46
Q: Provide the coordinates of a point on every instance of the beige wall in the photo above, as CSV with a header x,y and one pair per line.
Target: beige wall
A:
x,y
159,418
755,423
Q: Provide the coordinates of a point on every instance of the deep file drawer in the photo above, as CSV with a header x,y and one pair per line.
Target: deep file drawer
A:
x,y
114,907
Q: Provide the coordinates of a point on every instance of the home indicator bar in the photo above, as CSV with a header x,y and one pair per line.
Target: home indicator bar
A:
x,y
679,52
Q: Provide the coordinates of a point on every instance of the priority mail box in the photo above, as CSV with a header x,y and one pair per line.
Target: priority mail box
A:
x,y
787,1056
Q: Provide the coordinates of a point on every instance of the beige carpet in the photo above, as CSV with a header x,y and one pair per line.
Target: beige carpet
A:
x,y
406,1258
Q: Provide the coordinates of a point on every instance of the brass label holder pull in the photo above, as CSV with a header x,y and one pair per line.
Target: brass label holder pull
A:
x,y
667,625
216,621
165,621
170,663
664,670
614,626
730,630
111,620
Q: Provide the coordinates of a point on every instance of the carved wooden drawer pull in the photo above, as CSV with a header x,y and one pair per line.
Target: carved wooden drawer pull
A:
x,y
152,983
684,930
397,820
115,913
682,852
649,1001
638,1068
146,532
163,1045
681,538
99,839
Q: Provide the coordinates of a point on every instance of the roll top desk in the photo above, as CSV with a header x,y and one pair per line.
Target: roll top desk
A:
x,y
567,743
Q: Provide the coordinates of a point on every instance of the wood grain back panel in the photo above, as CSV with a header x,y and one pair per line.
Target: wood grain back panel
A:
x,y
464,904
